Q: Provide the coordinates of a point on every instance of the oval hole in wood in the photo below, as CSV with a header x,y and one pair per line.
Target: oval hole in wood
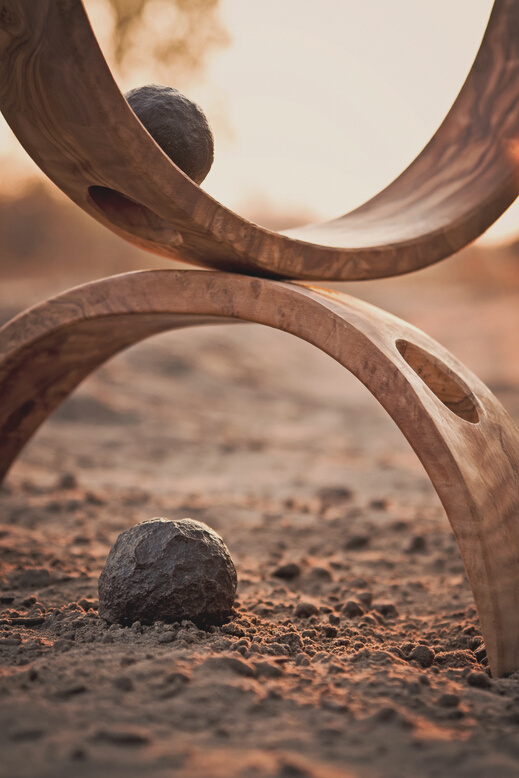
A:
x,y
441,380
133,217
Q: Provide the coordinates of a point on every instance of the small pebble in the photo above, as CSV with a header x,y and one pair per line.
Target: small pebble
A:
x,y
67,481
167,637
123,683
352,609
479,680
386,715
387,609
356,542
334,495
423,655
288,571
366,598
306,609
448,700
418,545
94,499
379,505
359,583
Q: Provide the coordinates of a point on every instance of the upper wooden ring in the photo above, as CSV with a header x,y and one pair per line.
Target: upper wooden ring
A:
x,y
59,97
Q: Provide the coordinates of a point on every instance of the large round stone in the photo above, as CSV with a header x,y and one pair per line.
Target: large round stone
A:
x,y
178,125
162,570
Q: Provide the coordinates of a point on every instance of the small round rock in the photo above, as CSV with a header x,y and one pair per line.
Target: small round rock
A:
x,y
178,125
169,571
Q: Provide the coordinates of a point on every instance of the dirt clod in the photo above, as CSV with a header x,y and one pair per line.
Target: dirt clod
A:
x,y
288,571
356,542
305,609
479,680
423,655
67,481
352,609
448,700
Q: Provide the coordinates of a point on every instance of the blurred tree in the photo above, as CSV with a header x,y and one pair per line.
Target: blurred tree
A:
x,y
177,34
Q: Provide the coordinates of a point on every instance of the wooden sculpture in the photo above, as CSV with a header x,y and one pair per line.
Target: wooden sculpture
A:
x,y
57,93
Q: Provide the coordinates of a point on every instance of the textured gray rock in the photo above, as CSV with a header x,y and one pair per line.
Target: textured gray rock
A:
x,y
168,571
178,125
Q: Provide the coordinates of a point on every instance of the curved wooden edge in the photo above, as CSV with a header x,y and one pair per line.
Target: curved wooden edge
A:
x,y
60,99
462,435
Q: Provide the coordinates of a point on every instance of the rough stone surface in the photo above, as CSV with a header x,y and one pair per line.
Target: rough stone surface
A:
x,y
168,571
178,125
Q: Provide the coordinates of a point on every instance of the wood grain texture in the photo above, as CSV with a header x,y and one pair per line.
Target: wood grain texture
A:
x,y
464,438
60,99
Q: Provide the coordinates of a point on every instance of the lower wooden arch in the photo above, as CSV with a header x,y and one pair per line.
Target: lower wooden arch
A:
x,y
464,438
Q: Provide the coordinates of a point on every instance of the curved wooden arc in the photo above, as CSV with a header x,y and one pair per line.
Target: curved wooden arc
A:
x,y
60,99
462,435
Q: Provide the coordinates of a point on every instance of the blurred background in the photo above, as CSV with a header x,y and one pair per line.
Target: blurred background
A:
x,y
315,106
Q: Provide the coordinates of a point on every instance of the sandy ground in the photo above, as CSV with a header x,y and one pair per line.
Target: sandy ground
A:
x,y
355,647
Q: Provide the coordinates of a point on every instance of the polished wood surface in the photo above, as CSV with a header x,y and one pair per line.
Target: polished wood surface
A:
x,y
464,438
59,97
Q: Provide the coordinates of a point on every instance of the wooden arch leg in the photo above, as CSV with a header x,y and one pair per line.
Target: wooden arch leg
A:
x,y
467,443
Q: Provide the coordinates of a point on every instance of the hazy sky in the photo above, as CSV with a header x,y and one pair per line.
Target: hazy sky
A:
x,y
318,104
331,99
